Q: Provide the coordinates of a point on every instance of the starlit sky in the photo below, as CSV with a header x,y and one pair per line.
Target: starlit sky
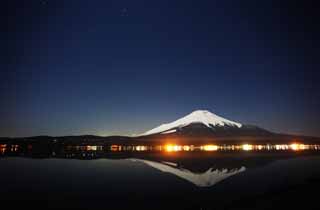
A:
x,y
123,67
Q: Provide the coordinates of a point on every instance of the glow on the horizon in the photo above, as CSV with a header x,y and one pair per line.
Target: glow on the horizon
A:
x,y
141,148
3,148
173,148
294,146
247,147
115,148
186,148
210,147
297,147
91,148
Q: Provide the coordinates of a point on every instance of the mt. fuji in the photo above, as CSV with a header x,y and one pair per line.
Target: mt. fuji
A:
x,y
197,127
203,117
202,124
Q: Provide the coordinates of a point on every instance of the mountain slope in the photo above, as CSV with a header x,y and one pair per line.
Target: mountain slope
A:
x,y
204,117
204,126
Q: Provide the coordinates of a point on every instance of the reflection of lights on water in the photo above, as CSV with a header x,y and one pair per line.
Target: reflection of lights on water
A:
x,y
247,147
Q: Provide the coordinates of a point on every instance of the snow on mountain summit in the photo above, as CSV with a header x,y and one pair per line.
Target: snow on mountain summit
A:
x,y
199,116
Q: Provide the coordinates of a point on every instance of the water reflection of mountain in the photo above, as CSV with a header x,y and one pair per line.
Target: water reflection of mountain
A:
x,y
203,169
205,179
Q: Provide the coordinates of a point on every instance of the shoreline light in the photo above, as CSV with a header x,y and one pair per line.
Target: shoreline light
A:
x,y
210,147
141,148
173,148
186,148
247,147
297,147
205,147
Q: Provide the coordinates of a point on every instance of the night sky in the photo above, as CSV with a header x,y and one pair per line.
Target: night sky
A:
x,y
125,66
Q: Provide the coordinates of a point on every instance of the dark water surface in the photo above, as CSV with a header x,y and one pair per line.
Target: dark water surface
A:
x,y
163,181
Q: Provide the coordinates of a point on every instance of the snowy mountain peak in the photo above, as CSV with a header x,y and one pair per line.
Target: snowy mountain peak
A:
x,y
199,116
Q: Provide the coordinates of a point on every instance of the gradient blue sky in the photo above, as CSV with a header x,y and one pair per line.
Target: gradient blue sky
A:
x,y
123,67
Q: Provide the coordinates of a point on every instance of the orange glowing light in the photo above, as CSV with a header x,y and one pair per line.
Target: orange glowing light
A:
x,y
115,148
297,147
294,146
209,147
302,146
173,148
247,147
141,148
186,148
169,148
3,148
91,148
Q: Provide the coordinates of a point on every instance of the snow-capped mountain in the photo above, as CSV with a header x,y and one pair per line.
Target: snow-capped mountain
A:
x,y
201,125
204,117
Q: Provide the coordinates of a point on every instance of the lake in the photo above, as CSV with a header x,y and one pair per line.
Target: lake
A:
x,y
162,180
